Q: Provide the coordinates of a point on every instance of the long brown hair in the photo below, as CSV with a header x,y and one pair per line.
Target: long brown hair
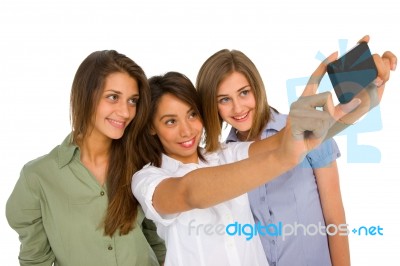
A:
x,y
213,71
148,145
86,90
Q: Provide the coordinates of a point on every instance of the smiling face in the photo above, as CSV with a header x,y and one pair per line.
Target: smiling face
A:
x,y
236,102
178,127
116,107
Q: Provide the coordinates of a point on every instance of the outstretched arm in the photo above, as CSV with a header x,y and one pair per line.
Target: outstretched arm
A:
x,y
306,128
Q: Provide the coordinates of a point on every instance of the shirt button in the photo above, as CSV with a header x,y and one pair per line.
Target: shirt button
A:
x,y
273,264
110,248
102,193
273,242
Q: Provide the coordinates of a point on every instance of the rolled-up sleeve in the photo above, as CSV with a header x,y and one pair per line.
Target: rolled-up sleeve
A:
x,y
324,154
156,243
25,217
144,183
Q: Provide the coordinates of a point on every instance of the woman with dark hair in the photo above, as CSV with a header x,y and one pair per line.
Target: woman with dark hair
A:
x,y
74,206
197,199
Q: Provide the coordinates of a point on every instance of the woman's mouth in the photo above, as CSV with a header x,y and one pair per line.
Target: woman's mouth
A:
x,y
115,123
241,117
189,143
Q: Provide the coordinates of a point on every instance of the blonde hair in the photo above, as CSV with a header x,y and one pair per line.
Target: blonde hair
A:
x,y
213,71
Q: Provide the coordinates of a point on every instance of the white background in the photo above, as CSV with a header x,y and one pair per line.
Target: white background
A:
x,y
43,42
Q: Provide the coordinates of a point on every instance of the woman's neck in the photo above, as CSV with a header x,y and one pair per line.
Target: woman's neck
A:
x,y
95,157
242,135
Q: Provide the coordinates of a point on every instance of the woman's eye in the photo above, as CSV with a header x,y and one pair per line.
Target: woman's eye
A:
x,y
223,100
245,92
193,115
112,97
134,101
170,122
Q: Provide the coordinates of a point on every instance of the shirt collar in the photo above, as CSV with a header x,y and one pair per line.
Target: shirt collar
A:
x,y
66,151
173,165
232,136
275,123
169,163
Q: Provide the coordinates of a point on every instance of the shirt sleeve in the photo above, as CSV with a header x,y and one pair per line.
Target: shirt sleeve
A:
x,y
24,216
144,183
235,151
156,243
324,154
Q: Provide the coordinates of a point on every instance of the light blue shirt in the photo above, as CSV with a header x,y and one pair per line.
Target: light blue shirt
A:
x,y
292,199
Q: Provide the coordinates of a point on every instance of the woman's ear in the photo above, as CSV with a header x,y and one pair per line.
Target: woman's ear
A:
x,y
152,131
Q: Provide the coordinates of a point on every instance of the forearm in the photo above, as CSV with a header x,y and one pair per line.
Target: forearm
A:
x,y
24,216
337,238
334,214
339,249
268,144
209,186
232,180
339,242
154,240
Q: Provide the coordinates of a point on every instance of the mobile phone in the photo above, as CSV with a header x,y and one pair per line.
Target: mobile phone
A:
x,y
352,72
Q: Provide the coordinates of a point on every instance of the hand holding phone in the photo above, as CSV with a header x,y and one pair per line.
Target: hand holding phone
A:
x,y
352,72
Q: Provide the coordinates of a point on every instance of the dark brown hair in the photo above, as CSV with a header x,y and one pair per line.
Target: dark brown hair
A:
x,y
86,90
149,146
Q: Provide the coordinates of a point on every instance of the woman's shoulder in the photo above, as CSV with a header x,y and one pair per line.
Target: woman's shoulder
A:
x,y
42,161
276,122
277,116
58,157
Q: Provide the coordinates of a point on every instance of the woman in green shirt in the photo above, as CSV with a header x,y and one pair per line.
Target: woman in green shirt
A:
x,y
74,205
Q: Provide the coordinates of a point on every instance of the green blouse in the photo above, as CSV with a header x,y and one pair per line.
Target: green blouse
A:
x,y
57,207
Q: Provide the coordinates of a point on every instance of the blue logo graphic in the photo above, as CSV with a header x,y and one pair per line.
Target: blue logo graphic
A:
x,y
371,122
368,231
284,230
249,231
